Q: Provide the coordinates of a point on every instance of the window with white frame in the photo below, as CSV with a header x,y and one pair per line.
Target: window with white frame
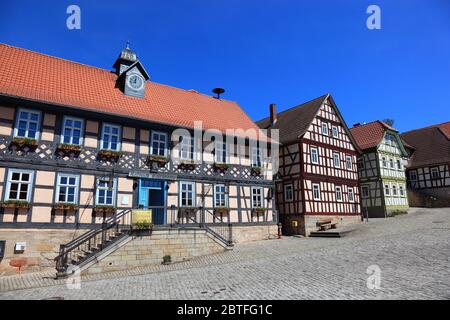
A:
x,y
72,132
315,155
220,151
365,192
391,163
399,164
335,132
28,124
106,192
187,148
288,192
325,128
402,191
257,197
351,194
394,190
256,157
67,188
349,162
18,185
220,196
158,145
187,194
384,162
336,159
111,137
338,194
316,191
435,173
413,175
387,190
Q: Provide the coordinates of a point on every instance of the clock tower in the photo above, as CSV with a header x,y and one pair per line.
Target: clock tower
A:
x,y
131,74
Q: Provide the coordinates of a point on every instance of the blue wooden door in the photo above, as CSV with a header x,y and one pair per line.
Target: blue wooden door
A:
x,y
152,195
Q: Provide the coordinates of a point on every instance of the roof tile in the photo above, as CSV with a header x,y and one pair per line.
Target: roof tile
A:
x,y
43,78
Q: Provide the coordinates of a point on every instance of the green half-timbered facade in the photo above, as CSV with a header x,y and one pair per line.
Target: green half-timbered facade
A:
x,y
381,169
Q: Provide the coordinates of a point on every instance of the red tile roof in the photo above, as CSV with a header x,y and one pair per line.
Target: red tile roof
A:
x,y
43,78
431,145
369,135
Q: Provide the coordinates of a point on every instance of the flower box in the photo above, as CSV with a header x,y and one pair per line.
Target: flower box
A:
x,y
259,210
187,165
142,226
24,142
223,211
256,171
159,160
221,167
105,209
109,154
65,206
69,148
16,204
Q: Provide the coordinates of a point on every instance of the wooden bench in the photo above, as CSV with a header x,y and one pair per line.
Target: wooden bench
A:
x,y
326,224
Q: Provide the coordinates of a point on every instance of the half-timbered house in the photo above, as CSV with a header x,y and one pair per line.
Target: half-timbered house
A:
x,y
381,169
317,178
428,173
81,146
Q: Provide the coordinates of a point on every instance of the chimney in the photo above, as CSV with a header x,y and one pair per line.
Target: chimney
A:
x,y
356,124
273,114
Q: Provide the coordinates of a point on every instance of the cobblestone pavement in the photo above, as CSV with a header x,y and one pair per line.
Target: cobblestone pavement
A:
x,y
412,252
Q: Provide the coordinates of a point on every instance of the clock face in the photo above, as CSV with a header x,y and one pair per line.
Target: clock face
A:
x,y
136,82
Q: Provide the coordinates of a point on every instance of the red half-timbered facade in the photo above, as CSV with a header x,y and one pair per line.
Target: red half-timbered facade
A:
x,y
318,177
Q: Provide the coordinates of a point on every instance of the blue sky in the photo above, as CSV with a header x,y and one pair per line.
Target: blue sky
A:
x,y
262,52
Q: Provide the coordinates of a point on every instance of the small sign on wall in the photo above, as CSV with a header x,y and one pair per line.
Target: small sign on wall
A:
x,y
125,200
20,247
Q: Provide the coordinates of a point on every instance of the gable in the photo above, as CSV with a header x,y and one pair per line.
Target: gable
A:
x,y
329,116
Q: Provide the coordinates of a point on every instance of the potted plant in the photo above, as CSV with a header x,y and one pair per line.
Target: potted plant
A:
x,y
65,206
161,161
69,148
21,204
109,154
105,209
221,167
24,143
142,228
167,259
256,171
259,210
187,164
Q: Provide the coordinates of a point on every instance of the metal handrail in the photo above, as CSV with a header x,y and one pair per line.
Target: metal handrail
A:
x,y
222,231
92,241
